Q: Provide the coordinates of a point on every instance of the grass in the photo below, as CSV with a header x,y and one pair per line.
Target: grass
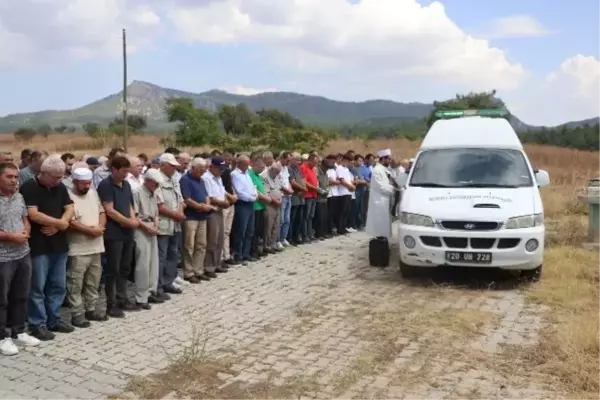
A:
x,y
568,351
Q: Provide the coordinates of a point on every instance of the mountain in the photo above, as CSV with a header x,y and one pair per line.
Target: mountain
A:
x,y
148,99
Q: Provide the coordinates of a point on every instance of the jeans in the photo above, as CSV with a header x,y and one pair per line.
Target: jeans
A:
x,y
308,232
15,283
296,223
48,289
244,229
119,256
286,207
168,258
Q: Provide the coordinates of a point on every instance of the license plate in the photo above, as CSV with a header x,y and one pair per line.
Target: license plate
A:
x,y
468,257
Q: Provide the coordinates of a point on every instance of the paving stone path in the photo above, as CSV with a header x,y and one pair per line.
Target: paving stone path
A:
x,y
299,313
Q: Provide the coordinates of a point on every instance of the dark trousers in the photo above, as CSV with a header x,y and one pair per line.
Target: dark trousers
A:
x,y
352,215
395,203
331,207
243,222
15,281
259,231
360,214
309,215
342,208
118,265
296,220
168,258
321,221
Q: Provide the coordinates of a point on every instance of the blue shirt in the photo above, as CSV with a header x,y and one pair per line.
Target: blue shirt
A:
x,y
365,172
194,189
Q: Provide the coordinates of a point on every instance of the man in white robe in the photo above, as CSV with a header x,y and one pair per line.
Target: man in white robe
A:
x,y
379,220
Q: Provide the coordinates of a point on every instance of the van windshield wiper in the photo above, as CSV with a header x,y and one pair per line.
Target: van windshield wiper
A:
x,y
487,185
429,185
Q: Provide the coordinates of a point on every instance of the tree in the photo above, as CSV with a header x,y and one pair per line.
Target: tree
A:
x,y
196,127
44,130
91,128
467,102
280,118
71,129
24,134
135,124
60,129
235,119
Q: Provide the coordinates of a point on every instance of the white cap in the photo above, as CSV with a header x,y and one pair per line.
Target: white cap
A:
x,y
412,160
168,158
384,153
154,175
82,174
305,156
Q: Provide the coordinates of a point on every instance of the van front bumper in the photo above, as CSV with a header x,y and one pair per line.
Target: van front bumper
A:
x,y
505,248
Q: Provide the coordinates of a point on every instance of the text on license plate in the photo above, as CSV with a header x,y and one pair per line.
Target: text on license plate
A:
x,y
468,257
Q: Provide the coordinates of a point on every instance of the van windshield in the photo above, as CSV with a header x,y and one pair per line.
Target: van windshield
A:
x,y
484,168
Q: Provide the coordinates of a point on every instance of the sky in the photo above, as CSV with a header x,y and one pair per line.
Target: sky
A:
x,y
541,56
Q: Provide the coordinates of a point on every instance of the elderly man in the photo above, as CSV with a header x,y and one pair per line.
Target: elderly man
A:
x,y
50,210
379,220
244,210
184,163
197,211
15,263
117,199
170,209
29,172
215,224
268,159
263,200
85,248
228,213
146,247
286,201
135,177
271,178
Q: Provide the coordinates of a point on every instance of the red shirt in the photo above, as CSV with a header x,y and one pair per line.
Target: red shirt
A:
x,y
310,176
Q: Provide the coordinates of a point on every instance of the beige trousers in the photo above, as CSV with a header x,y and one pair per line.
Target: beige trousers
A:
x,y
272,225
228,215
194,247
214,241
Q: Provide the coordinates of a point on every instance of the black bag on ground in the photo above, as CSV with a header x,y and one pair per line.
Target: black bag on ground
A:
x,y
379,252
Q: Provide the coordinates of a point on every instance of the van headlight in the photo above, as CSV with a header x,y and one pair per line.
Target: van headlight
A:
x,y
525,221
415,219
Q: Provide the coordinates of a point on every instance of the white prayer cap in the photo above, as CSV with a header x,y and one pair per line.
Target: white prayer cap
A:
x,y
305,156
412,160
154,175
384,153
82,174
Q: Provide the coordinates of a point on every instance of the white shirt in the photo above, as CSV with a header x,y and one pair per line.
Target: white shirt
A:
x,y
214,186
285,177
243,185
343,172
333,189
135,183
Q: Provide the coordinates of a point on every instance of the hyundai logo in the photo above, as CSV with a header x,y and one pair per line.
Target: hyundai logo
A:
x,y
469,226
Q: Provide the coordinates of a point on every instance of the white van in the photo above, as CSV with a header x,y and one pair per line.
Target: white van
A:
x,y
472,198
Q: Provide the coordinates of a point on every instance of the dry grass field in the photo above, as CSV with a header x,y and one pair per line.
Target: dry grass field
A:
x,y
569,347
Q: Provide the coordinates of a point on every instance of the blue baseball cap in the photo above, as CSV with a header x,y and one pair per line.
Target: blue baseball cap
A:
x,y
218,162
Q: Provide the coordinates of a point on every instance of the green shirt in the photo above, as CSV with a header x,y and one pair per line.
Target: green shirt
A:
x,y
260,188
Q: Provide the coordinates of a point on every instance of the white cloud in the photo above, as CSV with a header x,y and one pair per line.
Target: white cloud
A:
x,y
34,32
247,91
517,26
381,40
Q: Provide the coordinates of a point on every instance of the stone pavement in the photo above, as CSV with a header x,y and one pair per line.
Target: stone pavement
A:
x,y
299,313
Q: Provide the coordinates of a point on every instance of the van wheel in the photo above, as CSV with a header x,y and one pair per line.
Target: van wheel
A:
x,y
532,275
408,271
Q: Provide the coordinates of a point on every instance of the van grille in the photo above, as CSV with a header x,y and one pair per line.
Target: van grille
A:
x,y
470,225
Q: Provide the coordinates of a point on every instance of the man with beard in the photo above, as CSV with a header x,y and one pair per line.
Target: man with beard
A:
x,y
85,248
379,220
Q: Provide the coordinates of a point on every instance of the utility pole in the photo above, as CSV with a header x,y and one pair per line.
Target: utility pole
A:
x,y
125,126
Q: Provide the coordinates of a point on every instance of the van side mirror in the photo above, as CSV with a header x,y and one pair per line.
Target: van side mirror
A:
x,y
542,178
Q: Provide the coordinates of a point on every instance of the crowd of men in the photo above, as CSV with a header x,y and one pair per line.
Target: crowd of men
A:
x,y
70,225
